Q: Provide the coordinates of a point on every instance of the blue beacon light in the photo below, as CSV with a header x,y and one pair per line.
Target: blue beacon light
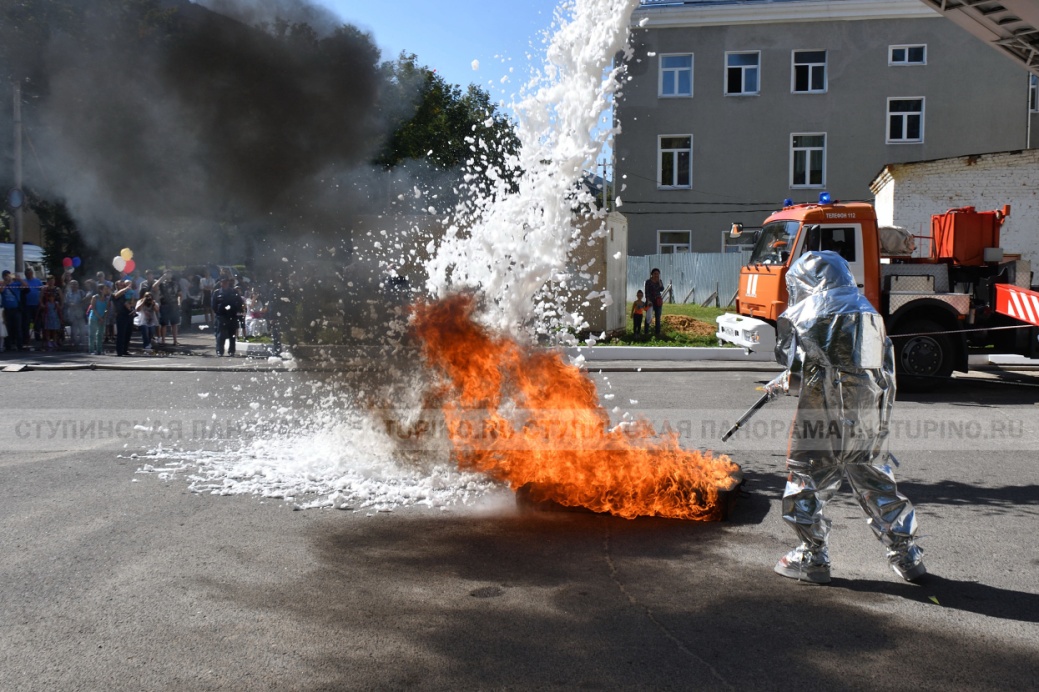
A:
x,y
824,198
788,202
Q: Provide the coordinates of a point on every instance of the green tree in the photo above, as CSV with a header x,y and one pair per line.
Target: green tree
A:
x,y
437,122
6,228
61,237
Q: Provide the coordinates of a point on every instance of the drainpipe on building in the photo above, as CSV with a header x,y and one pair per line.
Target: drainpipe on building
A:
x,y
1028,113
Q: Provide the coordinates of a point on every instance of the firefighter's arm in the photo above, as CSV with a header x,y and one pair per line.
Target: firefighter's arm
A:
x,y
887,377
788,351
786,382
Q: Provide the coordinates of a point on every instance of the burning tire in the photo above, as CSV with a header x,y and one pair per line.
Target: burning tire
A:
x,y
924,357
530,497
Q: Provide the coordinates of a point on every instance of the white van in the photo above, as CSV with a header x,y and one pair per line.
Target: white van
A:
x,y
32,255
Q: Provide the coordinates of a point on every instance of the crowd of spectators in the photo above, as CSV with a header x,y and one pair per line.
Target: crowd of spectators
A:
x,y
63,313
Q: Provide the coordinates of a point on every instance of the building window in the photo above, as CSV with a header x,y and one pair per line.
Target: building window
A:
x,y
809,73
907,55
675,161
741,73
676,75
1033,93
905,120
808,160
671,242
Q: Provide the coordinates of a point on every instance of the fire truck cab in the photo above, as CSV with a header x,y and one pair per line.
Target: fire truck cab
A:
x,y
848,229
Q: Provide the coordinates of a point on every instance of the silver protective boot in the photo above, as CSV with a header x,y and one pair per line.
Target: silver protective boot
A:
x,y
909,563
804,565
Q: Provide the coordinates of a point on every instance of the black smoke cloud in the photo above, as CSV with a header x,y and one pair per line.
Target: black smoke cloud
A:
x,y
271,113
268,11
192,132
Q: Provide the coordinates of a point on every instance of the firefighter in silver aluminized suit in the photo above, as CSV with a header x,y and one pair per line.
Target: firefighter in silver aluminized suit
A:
x,y
834,340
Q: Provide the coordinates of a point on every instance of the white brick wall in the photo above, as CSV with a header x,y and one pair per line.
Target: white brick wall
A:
x,y
908,194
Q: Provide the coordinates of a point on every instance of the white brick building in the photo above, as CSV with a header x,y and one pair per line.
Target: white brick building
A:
x,y
907,194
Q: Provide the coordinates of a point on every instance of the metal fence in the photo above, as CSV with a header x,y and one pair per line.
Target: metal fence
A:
x,y
692,276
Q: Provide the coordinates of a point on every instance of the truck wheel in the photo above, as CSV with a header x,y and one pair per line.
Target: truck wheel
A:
x,y
922,360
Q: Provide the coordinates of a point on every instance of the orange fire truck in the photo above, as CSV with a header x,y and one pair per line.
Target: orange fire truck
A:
x,y
965,293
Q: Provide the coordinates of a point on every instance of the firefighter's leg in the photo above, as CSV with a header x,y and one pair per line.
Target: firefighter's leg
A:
x,y
809,487
890,514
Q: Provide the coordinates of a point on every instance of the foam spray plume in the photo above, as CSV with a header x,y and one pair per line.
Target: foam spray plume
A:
x,y
513,244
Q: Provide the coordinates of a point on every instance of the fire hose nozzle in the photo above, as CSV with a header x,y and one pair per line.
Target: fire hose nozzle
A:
x,y
780,383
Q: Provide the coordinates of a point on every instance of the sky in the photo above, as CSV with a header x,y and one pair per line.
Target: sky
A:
x,y
449,36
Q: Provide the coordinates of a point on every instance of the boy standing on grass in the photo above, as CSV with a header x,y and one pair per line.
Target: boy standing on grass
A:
x,y
638,309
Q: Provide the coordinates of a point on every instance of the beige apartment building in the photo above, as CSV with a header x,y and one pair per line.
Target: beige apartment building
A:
x,y
734,106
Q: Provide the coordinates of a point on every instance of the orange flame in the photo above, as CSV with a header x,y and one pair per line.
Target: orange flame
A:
x,y
524,416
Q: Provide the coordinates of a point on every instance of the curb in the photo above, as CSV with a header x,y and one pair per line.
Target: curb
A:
x,y
670,353
1003,359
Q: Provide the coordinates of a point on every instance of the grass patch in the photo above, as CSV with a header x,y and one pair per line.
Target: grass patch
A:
x,y
678,333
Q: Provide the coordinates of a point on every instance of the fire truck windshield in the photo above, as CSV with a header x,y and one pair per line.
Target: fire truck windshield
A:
x,y
773,246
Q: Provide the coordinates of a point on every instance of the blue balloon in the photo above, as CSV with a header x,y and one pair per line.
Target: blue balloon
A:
x,y
76,262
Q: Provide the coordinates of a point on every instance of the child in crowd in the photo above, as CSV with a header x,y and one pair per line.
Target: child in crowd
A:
x,y
50,316
75,303
255,315
97,317
638,309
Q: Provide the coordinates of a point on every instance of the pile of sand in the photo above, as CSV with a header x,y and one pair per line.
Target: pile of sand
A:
x,y
689,325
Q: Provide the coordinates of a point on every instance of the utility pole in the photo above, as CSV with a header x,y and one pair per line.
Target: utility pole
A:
x,y
17,199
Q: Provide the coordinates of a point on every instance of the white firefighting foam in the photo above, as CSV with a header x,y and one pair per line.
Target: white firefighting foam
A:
x,y
509,245
336,457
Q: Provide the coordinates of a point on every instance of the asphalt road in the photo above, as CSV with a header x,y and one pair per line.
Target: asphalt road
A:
x,y
113,580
